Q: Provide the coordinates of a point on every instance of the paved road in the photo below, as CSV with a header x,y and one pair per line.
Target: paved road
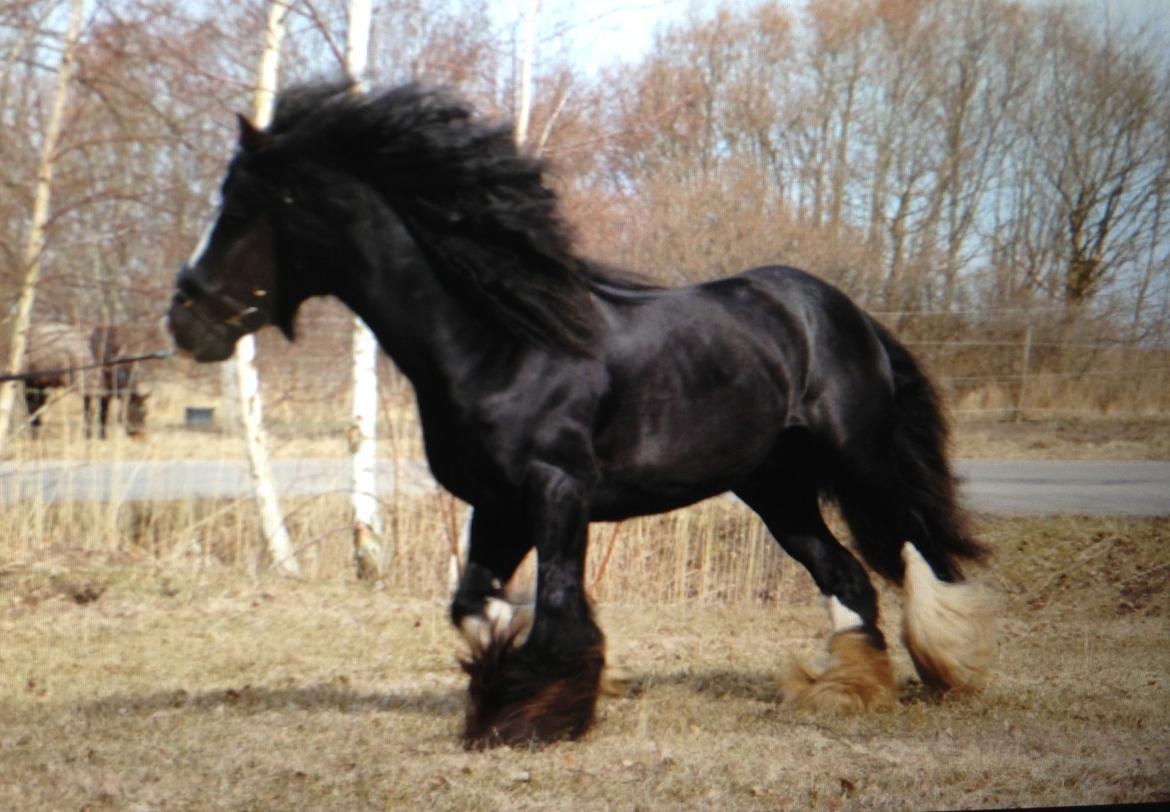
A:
x,y
1012,487
1089,487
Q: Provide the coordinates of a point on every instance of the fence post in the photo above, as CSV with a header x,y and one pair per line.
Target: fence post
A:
x,y
1025,363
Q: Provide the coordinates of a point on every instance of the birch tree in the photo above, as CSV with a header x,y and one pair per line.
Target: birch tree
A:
x,y
38,223
247,378
524,82
367,521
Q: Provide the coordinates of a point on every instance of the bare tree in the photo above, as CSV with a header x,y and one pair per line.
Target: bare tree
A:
x,y
251,406
1099,153
367,522
38,221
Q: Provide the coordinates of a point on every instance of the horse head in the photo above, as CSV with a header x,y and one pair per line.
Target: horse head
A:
x,y
227,288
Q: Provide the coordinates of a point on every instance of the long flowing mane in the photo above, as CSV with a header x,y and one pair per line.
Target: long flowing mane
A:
x,y
476,206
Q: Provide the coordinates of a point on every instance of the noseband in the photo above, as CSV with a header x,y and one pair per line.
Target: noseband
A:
x,y
219,309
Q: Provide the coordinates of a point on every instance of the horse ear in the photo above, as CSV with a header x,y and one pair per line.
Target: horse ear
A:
x,y
252,138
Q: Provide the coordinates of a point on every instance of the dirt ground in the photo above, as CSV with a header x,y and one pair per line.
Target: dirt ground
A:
x,y
127,688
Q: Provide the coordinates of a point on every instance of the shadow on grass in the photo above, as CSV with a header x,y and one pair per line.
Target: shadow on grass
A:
x,y
762,686
250,699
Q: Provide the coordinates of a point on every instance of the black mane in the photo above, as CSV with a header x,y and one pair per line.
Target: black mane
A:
x,y
474,203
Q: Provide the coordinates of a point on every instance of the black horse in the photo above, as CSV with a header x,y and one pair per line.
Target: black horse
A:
x,y
60,355
554,391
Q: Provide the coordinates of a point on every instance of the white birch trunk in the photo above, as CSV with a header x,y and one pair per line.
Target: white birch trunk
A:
x,y
229,396
527,57
247,378
35,243
367,522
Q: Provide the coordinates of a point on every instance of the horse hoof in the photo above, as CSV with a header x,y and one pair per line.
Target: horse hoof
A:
x,y
519,697
948,629
859,677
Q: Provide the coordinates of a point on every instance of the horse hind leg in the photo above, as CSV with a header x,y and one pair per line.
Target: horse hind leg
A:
x,y
858,675
948,623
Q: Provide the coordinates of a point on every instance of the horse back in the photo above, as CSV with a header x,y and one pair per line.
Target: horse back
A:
x,y
705,379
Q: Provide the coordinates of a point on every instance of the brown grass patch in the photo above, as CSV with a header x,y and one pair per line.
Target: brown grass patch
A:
x,y
1112,437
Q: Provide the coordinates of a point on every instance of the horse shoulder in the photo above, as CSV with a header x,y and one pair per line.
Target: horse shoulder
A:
x,y
485,435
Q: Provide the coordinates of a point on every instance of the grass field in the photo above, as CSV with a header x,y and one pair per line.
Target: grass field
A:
x,y
133,683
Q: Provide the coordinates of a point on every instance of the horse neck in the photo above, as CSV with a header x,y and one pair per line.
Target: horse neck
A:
x,y
428,332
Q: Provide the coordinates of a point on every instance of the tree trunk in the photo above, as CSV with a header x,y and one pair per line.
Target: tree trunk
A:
x,y
527,57
363,444
38,224
247,378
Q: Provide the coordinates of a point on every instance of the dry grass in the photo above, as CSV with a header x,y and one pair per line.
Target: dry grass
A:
x,y
148,661
1134,437
133,682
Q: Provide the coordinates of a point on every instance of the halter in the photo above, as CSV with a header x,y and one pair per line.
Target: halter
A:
x,y
234,313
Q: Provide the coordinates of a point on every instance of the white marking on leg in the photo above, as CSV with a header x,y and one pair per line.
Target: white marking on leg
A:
x,y
842,616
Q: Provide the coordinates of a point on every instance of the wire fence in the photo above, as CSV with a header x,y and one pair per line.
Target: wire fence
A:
x,y
1005,363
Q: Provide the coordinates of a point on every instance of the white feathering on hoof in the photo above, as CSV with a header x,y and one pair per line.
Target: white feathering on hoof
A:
x,y
499,619
948,628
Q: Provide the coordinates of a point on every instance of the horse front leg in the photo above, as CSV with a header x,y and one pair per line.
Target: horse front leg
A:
x,y
546,689
497,543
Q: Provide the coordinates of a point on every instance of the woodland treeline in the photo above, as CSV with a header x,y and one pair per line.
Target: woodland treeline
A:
x,y
991,178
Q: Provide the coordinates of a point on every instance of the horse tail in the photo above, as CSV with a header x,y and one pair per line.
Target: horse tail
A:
x,y
914,496
909,526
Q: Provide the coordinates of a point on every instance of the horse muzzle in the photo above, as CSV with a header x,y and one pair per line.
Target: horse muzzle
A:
x,y
206,323
198,336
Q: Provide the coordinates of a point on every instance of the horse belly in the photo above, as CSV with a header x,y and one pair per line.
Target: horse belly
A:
x,y
668,464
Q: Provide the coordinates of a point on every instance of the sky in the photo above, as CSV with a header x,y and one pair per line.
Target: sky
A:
x,y
603,32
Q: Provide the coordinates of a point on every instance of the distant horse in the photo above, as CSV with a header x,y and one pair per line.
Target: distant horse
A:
x,y
60,355
554,391
119,381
